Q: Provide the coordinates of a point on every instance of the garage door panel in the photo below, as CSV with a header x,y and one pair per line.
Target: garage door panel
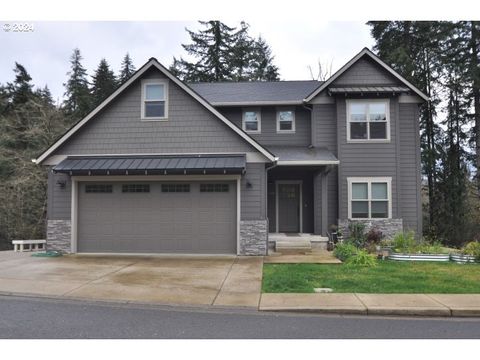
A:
x,y
159,222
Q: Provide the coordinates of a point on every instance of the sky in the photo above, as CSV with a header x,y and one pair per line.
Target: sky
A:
x,y
46,50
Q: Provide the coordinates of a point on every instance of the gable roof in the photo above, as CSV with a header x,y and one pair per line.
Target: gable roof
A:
x,y
153,63
364,52
256,92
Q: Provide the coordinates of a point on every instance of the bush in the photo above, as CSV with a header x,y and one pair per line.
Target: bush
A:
x,y
362,258
357,234
472,249
344,251
374,236
404,242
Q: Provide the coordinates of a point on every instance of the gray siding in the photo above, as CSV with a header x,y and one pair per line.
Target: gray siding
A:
x,y
366,159
253,199
324,134
269,136
366,72
58,199
190,128
410,201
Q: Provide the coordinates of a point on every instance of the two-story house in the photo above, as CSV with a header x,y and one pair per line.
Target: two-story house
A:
x,y
162,166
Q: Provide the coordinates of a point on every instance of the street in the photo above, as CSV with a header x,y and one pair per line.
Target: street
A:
x,y
37,318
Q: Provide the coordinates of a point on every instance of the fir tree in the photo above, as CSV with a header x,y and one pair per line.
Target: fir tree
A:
x,y
21,90
127,69
104,82
262,62
78,100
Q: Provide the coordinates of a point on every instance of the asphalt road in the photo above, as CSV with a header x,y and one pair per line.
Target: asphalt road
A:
x,y
32,318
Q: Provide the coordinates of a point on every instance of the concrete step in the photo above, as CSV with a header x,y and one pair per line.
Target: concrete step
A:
x,y
293,247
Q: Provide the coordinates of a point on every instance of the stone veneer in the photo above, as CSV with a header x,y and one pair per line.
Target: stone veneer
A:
x,y
59,235
253,237
388,227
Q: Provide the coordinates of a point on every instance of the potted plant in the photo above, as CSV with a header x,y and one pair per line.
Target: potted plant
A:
x,y
469,253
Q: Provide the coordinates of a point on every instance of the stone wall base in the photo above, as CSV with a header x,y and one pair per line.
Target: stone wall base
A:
x,y
253,237
59,235
388,227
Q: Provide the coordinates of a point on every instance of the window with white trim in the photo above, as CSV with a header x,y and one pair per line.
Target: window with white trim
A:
x,y
252,120
368,120
154,100
369,198
286,121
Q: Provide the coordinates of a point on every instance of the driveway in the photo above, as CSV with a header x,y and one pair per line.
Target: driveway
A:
x,y
176,280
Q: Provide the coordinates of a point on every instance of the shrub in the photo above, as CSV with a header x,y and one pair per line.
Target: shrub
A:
x,y
426,248
362,258
473,249
374,236
357,234
404,242
344,251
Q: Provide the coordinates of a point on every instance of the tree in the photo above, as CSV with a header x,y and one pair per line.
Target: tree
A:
x,y
104,82
78,101
21,89
223,53
127,69
324,71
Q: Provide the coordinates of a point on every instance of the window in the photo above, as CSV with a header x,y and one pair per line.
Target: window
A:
x,y
98,188
171,188
368,120
213,187
154,100
286,121
135,188
251,121
369,198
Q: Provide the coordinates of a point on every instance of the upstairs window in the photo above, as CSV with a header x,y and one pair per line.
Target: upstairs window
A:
x,y
368,120
369,198
286,121
154,100
251,121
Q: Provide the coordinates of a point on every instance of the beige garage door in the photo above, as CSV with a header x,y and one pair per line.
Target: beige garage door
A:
x,y
157,217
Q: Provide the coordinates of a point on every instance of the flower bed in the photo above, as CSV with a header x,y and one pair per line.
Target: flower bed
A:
x,y
419,257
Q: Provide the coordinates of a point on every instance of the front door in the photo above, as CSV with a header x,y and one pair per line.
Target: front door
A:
x,y
289,208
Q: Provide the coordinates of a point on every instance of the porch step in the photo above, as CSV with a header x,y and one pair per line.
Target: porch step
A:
x,y
297,246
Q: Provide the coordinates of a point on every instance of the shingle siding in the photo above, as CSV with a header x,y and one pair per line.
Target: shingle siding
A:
x,y
190,128
269,135
366,72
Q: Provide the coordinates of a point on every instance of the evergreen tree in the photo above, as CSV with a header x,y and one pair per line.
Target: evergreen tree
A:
x,y
223,53
20,91
104,83
127,69
78,100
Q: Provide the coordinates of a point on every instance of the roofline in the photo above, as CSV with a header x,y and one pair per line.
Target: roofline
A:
x,y
257,103
306,162
140,72
365,51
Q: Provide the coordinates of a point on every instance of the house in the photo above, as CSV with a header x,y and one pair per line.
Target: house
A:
x,y
167,167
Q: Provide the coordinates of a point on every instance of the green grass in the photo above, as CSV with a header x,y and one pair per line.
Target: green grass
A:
x,y
387,277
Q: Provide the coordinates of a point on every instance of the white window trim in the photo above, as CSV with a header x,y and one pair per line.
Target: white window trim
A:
x,y
259,120
154,82
368,140
369,180
292,131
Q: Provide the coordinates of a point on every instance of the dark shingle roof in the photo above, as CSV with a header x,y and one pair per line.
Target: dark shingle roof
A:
x,y
255,92
152,165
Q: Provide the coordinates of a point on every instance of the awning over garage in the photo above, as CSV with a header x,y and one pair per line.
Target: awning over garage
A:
x,y
152,165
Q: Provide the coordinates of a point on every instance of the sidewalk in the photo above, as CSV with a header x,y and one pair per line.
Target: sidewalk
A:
x,y
375,304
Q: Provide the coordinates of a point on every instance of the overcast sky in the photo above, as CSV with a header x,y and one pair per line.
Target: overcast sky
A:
x,y
45,52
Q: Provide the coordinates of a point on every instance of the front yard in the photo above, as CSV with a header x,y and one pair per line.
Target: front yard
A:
x,y
386,277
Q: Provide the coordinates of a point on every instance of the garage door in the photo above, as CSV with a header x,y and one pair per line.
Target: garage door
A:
x,y
157,217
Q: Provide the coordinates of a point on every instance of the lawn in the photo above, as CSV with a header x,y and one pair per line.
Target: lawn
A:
x,y
387,277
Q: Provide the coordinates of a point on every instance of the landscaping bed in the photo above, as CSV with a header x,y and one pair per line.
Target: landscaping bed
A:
x,y
388,277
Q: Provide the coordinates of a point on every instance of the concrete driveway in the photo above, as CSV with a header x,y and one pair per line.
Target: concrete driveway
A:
x,y
176,280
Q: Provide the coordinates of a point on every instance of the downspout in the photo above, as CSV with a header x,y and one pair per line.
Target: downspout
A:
x,y
267,169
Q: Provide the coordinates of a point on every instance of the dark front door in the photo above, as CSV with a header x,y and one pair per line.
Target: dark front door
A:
x,y
289,208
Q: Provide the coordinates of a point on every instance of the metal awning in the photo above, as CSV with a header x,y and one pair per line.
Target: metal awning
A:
x,y
303,155
152,165
368,89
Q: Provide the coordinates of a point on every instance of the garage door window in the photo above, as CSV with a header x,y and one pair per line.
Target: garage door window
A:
x,y
135,188
98,188
213,187
175,188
